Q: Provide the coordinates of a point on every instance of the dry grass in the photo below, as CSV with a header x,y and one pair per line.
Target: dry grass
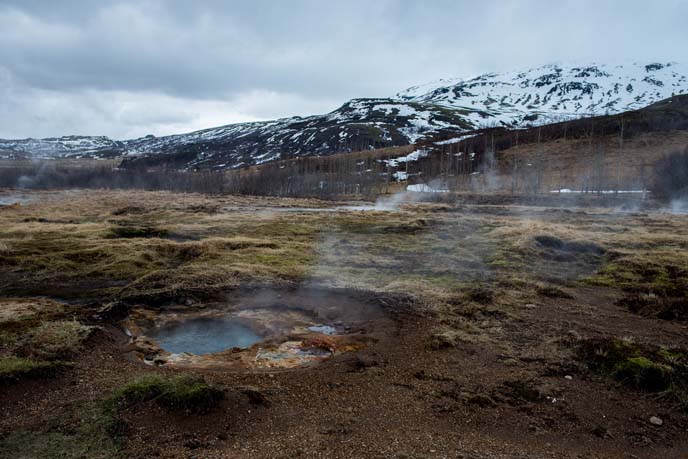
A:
x,y
64,244
451,336
58,340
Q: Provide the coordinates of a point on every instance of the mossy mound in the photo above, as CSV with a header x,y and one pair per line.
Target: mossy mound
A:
x,y
639,366
660,306
56,340
581,247
179,393
644,374
14,369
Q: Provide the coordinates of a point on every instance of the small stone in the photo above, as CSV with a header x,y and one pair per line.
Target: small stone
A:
x,y
656,421
530,306
568,377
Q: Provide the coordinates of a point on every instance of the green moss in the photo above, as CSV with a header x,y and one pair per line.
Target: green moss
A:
x,y
643,367
13,369
602,354
77,433
644,272
642,373
614,275
673,356
180,393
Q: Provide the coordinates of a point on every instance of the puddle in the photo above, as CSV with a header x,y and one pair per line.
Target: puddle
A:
x,y
8,200
204,335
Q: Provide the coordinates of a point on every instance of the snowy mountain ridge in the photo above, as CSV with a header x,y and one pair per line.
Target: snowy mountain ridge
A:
x,y
536,96
554,92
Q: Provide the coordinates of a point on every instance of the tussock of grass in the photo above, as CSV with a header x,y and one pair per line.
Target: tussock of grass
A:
x,y
130,210
643,373
642,367
94,430
130,232
75,434
403,227
55,340
552,292
445,337
553,242
179,393
652,305
481,294
13,369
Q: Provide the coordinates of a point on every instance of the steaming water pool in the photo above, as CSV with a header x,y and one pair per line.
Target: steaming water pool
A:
x,y
8,200
204,335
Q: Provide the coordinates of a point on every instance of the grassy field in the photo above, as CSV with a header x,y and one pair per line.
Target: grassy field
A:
x,y
499,303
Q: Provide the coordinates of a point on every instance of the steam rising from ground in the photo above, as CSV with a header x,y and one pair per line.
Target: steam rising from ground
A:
x,y
413,194
679,206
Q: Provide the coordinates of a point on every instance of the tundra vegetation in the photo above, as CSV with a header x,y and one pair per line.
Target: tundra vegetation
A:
x,y
511,315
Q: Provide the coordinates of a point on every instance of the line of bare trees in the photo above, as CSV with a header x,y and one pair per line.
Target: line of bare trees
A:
x,y
490,160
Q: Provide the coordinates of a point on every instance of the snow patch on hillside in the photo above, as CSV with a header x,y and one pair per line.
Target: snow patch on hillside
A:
x,y
554,92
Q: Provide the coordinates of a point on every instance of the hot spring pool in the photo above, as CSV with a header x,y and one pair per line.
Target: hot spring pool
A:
x,y
204,335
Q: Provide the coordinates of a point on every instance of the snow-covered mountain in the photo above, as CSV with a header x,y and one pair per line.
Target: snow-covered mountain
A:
x,y
554,92
536,96
66,146
359,124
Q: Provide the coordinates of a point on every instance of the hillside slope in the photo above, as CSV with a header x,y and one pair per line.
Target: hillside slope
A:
x,y
611,152
359,124
537,96
555,92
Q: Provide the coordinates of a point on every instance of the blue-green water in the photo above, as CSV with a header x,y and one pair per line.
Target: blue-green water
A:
x,y
204,335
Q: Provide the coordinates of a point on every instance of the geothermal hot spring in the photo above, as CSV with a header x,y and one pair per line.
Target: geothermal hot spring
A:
x,y
259,330
204,335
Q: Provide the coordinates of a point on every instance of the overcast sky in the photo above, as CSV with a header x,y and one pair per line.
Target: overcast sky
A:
x,y
130,68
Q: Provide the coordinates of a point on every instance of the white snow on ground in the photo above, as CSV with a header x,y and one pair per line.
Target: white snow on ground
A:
x,y
399,109
400,176
423,188
411,157
567,191
454,140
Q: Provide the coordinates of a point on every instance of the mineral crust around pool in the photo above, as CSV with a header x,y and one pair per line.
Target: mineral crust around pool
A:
x,y
269,337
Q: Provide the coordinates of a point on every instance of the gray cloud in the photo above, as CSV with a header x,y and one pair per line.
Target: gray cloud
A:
x,y
127,67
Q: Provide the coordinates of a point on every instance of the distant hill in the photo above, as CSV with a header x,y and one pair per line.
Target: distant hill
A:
x,y
609,152
554,92
441,109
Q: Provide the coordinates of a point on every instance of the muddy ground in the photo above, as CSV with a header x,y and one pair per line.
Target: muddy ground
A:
x,y
485,328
